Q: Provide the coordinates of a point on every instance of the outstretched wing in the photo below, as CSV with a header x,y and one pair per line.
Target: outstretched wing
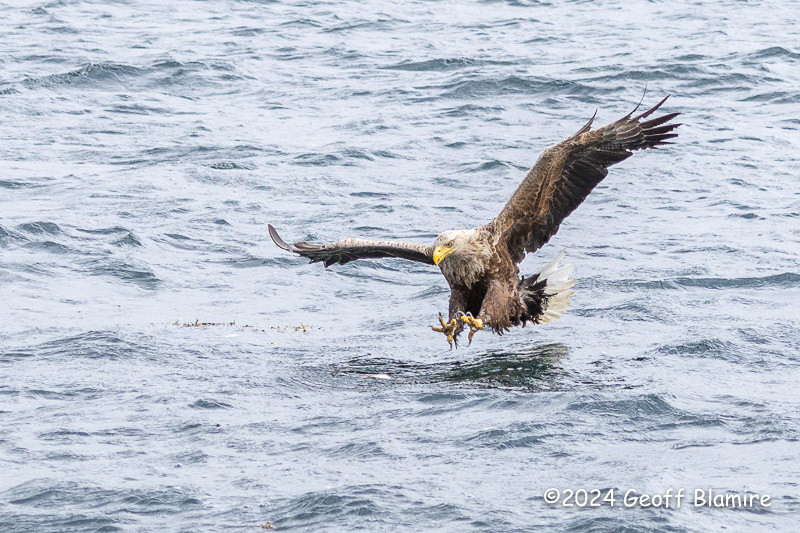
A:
x,y
351,249
567,172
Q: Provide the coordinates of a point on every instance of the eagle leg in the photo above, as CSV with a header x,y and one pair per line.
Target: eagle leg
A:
x,y
448,328
475,324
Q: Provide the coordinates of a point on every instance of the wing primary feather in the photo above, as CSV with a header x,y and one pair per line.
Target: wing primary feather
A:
x,y
661,129
644,92
660,120
655,140
586,127
277,239
652,109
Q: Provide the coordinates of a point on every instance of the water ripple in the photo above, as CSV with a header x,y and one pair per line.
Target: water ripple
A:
x,y
144,151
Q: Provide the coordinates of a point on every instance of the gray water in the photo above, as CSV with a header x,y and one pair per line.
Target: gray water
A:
x,y
145,146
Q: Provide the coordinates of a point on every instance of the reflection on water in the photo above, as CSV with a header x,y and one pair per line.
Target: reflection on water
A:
x,y
534,367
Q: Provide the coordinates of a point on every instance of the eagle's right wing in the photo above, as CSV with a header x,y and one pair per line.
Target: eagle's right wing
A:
x,y
348,250
567,172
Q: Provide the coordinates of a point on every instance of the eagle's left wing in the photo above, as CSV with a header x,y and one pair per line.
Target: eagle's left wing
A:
x,y
567,172
351,249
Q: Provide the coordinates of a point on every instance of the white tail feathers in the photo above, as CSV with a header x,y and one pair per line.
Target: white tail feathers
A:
x,y
558,288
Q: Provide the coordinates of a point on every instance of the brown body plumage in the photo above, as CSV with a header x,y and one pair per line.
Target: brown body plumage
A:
x,y
480,264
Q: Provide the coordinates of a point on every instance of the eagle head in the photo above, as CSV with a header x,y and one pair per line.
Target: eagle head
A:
x,y
460,244
462,255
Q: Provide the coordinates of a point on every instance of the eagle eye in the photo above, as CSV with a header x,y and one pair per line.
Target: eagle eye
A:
x,y
449,244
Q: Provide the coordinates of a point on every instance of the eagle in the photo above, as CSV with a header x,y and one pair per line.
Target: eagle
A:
x,y
480,264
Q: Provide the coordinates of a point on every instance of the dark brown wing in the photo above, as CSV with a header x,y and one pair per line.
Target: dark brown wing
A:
x,y
351,249
567,172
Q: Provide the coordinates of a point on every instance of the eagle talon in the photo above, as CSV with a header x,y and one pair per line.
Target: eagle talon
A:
x,y
448,328
475,324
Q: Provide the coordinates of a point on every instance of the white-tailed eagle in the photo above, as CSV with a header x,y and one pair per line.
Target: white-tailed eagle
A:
x,y
480,264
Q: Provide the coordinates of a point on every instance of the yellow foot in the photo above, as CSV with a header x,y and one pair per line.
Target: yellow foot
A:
x,y
448,328
475,324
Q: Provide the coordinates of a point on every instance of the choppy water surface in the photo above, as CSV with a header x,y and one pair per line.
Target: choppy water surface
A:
x,y
144,147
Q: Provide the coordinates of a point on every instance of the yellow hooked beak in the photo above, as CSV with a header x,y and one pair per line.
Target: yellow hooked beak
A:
x,y
440,252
